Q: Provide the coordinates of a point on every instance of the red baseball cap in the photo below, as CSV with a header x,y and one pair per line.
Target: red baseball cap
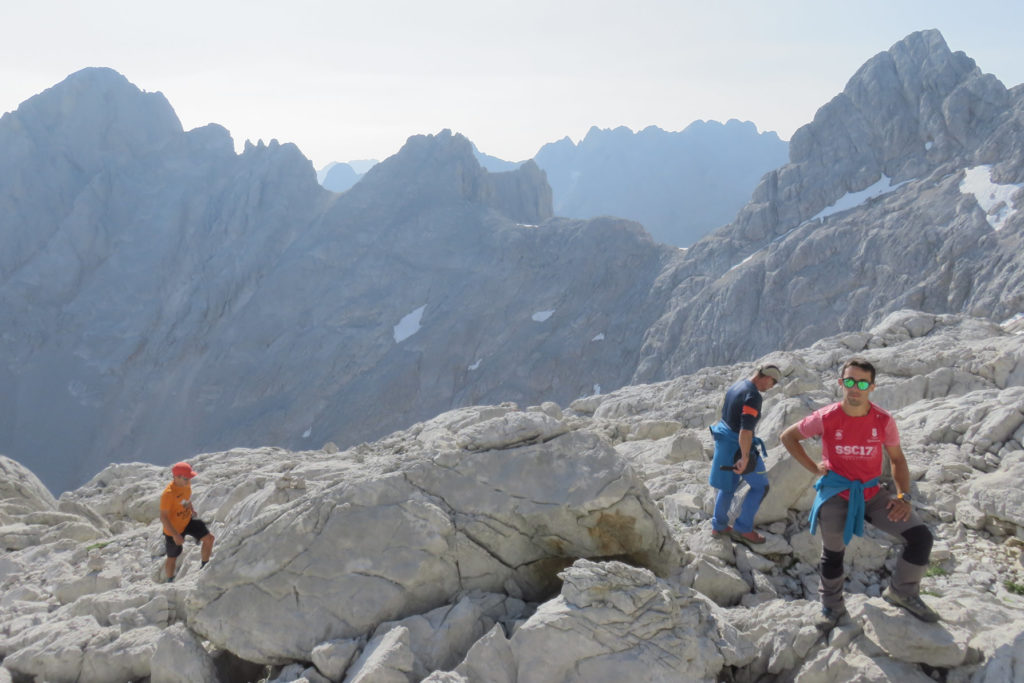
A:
x,y
183,469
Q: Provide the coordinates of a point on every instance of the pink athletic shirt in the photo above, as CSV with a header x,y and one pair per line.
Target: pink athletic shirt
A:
x,y
852,446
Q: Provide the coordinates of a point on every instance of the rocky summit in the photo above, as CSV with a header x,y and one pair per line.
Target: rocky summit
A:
x,y
499,543
445,435
161,295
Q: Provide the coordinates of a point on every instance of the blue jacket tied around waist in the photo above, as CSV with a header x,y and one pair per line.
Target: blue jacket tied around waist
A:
x,y
831,484
727,442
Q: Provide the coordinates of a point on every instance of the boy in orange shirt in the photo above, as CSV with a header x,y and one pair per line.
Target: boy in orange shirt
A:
x,y
177,519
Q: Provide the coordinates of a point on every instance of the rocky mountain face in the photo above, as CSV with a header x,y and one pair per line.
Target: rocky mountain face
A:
x,y
162,295
340,177
502,543
903,192
679,185
167,296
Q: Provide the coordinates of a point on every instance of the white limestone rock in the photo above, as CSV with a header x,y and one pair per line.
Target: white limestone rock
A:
x,y
720,547
721,583
93,582
56,651
362,552
333,657
125,659
490,659
440,638
21,490
853,663
510,430
789,483
686,446
782,633
616,622
1005,664
999,494
19,536
387,658
655,429
907,639
331,533
1000,423
157,612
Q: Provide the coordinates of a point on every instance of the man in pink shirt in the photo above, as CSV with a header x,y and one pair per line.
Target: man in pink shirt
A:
x,y
854,433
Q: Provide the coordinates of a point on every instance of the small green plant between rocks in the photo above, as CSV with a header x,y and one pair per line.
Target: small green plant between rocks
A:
x,y
1014,587
936,570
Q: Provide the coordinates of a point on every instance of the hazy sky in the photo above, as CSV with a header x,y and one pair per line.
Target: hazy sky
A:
x,y
352,80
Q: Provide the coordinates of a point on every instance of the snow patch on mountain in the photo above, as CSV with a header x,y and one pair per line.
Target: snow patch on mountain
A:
x,y
409,324
853,199
541,316
996,200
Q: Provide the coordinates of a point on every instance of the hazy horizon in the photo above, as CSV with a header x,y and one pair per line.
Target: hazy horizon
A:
x,y
354,82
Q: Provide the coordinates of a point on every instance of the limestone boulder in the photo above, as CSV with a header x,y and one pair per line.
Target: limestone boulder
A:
x,y
126,658
616,622
387,658
440,638
510,430
489,659
21,491
790,483
720,582
1005,664
387,545
888,628
58,651
999,494
332,658
782,633
857,663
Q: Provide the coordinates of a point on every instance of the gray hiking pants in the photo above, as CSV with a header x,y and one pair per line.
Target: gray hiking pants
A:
x,y
906,580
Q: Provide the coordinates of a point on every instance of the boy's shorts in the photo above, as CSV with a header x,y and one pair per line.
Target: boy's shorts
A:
x,y
196,529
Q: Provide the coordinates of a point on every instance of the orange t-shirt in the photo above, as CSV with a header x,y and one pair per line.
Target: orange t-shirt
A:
x,y
171,503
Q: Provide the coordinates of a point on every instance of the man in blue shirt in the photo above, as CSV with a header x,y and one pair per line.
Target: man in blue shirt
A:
x,y
736,456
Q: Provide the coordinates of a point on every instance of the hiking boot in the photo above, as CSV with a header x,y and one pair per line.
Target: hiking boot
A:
x,y
170,579
727,531
828,618
913,604
750,538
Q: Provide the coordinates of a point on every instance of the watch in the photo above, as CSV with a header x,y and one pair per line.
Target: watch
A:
x,y
905,497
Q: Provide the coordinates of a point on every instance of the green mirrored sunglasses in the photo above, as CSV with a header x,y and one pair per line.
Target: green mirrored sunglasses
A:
x,y
861,384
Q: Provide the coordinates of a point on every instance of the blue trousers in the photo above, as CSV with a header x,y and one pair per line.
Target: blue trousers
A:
x,y
758,483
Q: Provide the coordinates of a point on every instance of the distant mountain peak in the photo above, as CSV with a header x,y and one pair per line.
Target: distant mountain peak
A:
x,y
679,185
103,93
445,165
905,112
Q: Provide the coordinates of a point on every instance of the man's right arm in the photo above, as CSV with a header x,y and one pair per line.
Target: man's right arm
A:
x,y
791,439
165,519
746,442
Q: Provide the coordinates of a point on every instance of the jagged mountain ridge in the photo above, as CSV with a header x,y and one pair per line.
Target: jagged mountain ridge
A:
x,y
189,299
188,296
679,185
780,277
